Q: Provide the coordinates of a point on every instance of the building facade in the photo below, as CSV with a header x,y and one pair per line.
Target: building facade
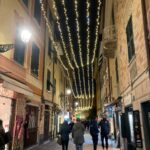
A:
x,y
129,70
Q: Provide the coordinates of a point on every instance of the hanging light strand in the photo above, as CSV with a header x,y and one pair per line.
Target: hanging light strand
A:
x,y
79,43
61,35
96,33
69,33
88,43
52,39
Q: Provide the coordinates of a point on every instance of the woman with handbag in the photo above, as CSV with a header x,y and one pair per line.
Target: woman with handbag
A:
x,y
64,132
2,136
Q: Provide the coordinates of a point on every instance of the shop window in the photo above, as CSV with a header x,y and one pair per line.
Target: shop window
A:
x,y
26,2
19,51
48,80
130,39
35,60
37,11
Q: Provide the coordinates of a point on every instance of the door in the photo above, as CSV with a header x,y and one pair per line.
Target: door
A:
x,y
46,125
130,128
146,123
31,126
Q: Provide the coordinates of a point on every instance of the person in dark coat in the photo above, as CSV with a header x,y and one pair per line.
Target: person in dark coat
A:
x,y
105,129
94,133
2,136
64,132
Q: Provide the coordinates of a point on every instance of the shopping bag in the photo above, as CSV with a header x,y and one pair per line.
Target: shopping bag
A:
x,y
59,141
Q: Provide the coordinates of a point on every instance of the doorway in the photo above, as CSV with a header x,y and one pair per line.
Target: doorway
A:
x,y
146,123
46,123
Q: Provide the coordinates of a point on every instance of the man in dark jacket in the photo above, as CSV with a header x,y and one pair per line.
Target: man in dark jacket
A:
x,y
105,129
94,133
64,132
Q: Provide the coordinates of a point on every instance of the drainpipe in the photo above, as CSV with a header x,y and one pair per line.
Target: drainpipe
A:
x,y
146,32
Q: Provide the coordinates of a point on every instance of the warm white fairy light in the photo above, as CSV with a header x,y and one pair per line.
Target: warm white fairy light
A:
x,y
79,82
69,33
61,35
85,96
78,31
52,39
88,43
97,27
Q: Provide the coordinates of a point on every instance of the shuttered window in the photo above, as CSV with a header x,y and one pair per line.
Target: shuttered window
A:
x,y
19,52
130,39
35,60
48,80
37,11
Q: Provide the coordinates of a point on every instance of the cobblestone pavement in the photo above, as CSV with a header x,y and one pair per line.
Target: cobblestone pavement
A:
x,y
87,145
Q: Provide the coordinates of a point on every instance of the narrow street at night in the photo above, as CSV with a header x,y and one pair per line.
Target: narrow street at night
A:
x,y
75,71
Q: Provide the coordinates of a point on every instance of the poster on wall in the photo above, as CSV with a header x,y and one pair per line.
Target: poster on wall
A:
x,y
137,129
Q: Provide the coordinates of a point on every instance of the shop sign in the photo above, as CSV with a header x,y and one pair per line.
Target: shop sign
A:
x,y
137,129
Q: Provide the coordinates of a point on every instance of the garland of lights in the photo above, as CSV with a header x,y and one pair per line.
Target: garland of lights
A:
x,y
88,43
69,34
97,27
52,39
79,43
61,35
80,83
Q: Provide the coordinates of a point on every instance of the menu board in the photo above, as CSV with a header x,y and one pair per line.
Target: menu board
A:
x,y
137,129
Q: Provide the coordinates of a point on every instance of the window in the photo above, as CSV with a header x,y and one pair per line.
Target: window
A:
x,y
55,56
37,11
48,80
19,51
130,39
49,47
26,2
35,60
116,66
54,86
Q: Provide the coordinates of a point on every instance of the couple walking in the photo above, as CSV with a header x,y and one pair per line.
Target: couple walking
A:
x,y
77,134
105,129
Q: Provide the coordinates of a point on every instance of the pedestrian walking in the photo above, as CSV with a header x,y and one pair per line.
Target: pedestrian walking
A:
x,y
94,132
64,132
105,129
2,136
78,134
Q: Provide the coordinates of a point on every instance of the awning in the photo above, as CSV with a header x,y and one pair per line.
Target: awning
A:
x,y
16,86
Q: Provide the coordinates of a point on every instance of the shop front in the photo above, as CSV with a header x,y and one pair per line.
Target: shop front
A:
x,y
146,123
7,109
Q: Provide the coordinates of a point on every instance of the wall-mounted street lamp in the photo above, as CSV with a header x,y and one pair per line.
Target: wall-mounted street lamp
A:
x,y
25,36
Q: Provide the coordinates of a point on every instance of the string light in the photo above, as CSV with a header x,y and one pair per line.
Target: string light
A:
x,y
69,33
88,43
53,42
61,36
97,27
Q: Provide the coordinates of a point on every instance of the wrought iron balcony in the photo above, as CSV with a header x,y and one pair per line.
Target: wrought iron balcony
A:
x,y
109,41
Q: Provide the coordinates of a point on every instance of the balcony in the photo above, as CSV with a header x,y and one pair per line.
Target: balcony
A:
x,y
109,41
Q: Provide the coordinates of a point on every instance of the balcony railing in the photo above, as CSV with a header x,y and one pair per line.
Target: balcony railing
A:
x,y
109,41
